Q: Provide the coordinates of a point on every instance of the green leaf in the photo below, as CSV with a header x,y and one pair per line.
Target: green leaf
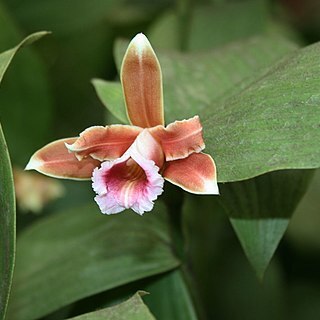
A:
x,y
260,209
273,124
7,197
133,309
227,287
192,82
169,297
7,225
7,56
80,252
210,25
110,93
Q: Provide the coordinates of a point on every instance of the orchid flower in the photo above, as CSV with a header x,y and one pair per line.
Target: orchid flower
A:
x,y
129,163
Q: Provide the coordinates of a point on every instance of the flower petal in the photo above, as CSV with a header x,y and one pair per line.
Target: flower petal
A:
x,y
131,181
146,147
195,174
104,143
180,138
55,160
142,84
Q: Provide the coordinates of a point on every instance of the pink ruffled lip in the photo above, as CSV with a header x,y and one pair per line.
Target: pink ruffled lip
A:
x,y
131,181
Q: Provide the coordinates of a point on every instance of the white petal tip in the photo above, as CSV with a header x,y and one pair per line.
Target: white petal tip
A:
x,y
33,164
211,187
140,40
140,43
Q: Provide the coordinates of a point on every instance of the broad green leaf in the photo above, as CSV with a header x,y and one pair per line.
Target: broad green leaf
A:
x,y
133,309
25,100
80,252
169,297
7,198
227,286
210,25
192,82
7,225
260,209
273,124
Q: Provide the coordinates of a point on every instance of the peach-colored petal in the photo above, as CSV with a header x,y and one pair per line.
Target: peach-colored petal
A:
x,y
195,174
55,160
180,138
131,181
147,147
142,84
104,143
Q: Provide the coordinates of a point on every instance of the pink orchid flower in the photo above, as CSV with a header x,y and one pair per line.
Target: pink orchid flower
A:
x,y
129,163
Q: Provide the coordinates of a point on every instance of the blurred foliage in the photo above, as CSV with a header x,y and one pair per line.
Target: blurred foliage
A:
x,y
217,55
7,195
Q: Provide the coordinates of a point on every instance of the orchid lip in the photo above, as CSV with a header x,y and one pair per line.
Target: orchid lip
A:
x,y
131,181
118,189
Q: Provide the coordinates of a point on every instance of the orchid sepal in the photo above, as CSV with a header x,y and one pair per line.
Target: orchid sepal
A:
x,y
195,174
141,80
54,160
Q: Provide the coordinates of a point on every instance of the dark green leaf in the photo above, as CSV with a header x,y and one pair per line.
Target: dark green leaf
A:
x,y
260,209
169,298
7,225
133,309
80,252
228,288
7,198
